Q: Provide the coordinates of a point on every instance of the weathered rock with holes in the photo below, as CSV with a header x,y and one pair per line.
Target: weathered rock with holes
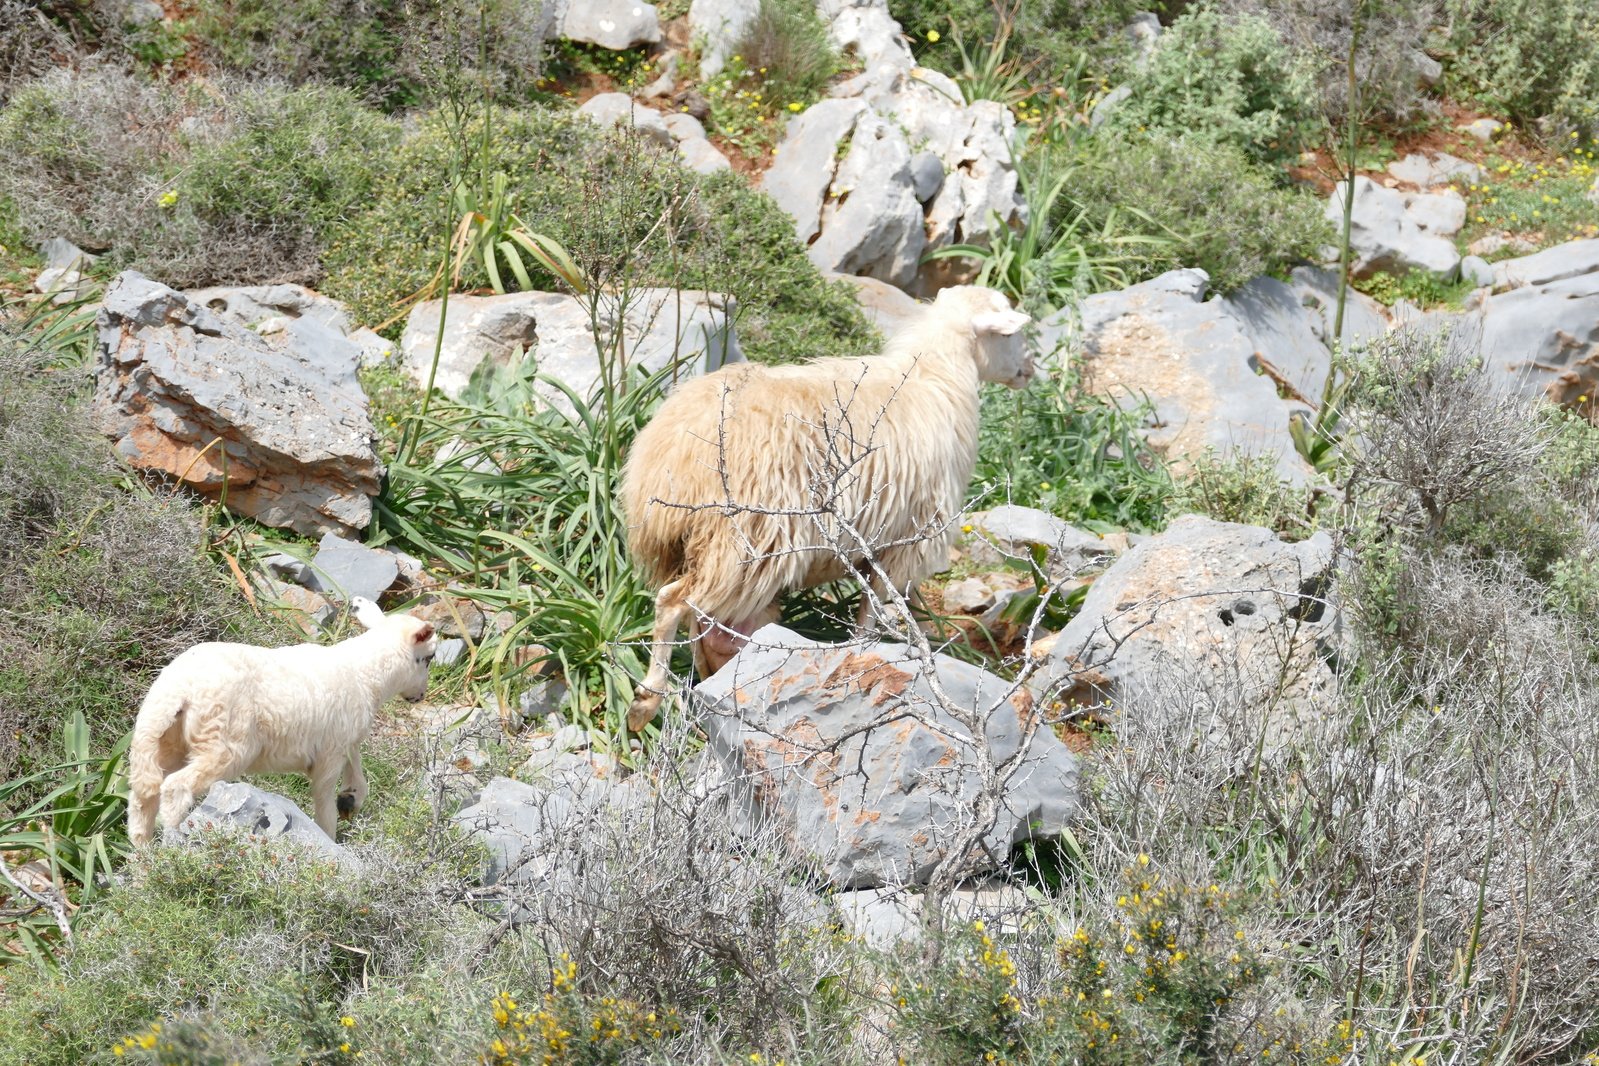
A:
x,y
317,326
195,397
1398,232
1228,612
846,753
866,30
1194,361
238,806
613,24
658,326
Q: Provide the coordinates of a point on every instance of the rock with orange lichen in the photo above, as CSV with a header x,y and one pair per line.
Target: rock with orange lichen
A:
x,y
846,750
194,397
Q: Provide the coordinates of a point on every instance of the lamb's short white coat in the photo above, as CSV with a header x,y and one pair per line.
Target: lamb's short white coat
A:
x,y
220,710
721,489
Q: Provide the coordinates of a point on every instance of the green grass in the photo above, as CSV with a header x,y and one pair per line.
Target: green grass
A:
x,y
1543,200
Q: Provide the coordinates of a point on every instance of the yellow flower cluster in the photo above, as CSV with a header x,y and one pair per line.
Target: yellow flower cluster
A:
x,y
568,1018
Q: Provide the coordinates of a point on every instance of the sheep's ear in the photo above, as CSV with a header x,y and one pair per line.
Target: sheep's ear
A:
x,y
1003,323
424,634
366,612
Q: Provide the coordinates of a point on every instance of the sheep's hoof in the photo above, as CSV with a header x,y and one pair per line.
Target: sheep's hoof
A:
x,y
346,804
642,711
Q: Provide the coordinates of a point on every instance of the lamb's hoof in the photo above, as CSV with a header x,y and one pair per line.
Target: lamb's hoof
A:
x,y
642,712
346,804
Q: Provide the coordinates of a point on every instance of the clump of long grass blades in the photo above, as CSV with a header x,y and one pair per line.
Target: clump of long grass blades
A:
x,y
74,830
515,495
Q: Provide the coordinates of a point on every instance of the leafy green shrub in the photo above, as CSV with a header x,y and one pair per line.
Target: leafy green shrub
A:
x,y
1060,448
193,187
601,196
1528,59
1226,79
1420,287
393,53
1212,208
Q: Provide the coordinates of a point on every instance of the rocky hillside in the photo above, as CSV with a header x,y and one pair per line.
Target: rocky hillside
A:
x,y
1250,717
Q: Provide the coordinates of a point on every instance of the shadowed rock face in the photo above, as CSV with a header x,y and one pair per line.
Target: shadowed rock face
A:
x,y
277,432
846,751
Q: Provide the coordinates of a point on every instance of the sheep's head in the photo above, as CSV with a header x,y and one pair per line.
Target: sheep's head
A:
x,y
415,635
1000,347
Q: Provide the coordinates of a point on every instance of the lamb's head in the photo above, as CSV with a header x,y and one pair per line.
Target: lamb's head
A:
x,y
415,636
1000,347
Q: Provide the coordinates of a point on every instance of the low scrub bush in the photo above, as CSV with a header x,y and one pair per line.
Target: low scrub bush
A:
x,y
1527,60
1049,38
392,54
602,196
1226,79
1246,489
103,582
1209,205
237,185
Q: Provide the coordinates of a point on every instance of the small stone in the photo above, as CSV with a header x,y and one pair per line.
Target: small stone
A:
x,y
345,569
1483,129
970,596
448,651
1476,270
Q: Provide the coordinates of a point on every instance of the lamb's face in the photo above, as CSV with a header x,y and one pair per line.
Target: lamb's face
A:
x,y
422,642
1001,348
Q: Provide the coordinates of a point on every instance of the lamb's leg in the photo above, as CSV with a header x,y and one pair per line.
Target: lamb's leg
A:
x,y
354,792
671,607
206,767
324,794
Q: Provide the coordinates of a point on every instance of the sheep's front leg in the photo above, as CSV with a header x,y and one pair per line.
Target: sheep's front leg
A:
x,y
324,793
354,793
671,607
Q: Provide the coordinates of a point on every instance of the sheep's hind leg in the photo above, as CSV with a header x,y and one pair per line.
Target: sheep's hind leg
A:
x,y
179,790
671,607
354,792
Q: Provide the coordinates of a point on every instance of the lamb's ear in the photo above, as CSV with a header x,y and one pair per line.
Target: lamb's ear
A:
x,y
366,612
424,634
1003,323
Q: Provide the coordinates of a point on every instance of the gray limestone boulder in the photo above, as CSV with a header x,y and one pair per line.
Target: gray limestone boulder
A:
x,y
845,753
1440,169
555,330
866,30
858,212
1398,232
238,806
1541,338
890,309
613,24
59,253
1194,362
1222,611
718,25
1563,261
1288,345
1316,289
317,326
693,147
620,109
195,397
1477,270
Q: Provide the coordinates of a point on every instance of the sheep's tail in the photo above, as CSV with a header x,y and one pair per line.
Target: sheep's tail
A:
x,y
158,714
656,534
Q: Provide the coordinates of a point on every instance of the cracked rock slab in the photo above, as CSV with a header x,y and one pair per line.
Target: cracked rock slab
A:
x,y
195,397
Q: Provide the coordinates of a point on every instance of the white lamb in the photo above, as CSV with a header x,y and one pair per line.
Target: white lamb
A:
x,y
220,710
755,480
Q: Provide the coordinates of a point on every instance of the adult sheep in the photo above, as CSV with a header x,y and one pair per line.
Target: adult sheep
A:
x,y
756,480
